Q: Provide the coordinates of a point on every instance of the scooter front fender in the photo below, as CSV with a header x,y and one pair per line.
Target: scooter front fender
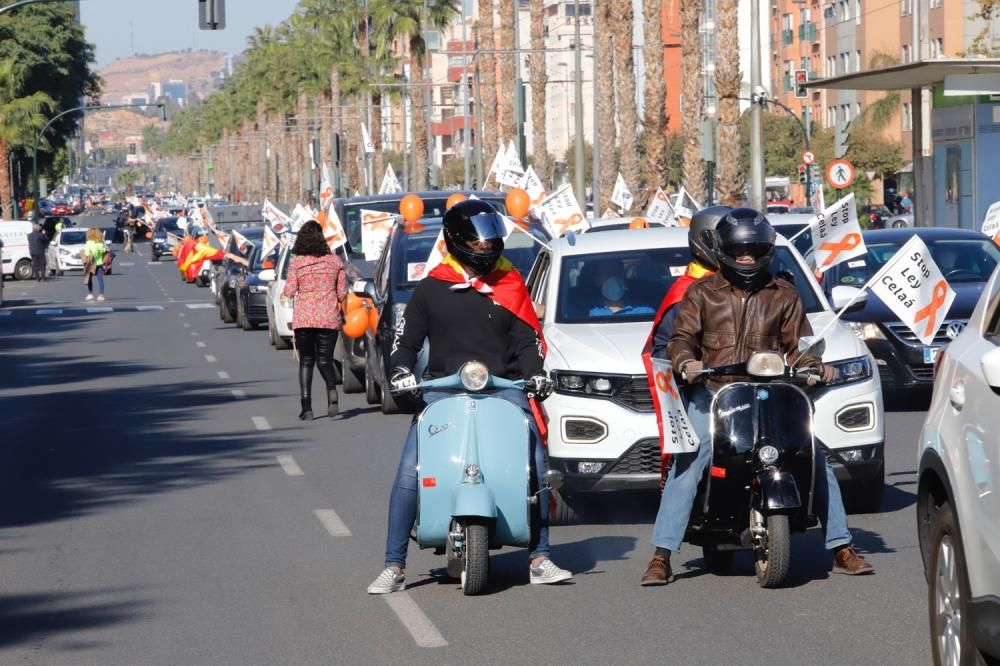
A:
x,y
474,499
777,492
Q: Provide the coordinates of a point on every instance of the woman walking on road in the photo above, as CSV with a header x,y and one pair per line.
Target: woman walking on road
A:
x,y
318,283
93,263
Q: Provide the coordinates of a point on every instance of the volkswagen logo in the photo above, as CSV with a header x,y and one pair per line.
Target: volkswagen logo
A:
x,y
954,329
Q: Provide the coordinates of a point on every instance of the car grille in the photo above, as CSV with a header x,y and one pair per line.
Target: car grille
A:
x,y
923,372
635,395
903,332
257,312
642,458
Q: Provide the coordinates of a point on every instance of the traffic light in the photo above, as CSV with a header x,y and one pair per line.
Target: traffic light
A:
x,y
801,78
803,176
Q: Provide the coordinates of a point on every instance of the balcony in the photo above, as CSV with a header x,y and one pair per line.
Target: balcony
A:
x,y
787,36
807,32
789,84
813,75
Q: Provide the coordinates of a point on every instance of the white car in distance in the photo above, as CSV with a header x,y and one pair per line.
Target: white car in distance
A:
x,y
602,426
279,315
65,251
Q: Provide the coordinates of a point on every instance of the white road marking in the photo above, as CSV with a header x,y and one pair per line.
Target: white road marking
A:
x,y
424,633
290,466
332,522
223,374
260,423
200,344
99,310
210,358
127,263
154,263
48,311
200,306
187,325
239,394
194,334
149,308
181,314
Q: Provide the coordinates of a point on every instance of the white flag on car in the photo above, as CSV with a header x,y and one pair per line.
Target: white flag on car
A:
x,y
325,188
274,216
375,229
836,234
269,243
660,211
991,223
390,184
560,212
242,242
369,145
532,184
621,196
913,287
676,432
497,166
512,170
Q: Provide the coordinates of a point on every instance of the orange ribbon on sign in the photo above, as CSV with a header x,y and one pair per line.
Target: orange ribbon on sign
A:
x,y
930,312
664,384
850,242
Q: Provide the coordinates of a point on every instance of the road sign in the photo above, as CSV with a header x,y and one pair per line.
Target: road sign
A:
x,y
840,174
808,157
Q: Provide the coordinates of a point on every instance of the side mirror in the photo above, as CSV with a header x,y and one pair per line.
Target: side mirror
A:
x,y
841,295
812,345
990,363
553,479
364,288
266,275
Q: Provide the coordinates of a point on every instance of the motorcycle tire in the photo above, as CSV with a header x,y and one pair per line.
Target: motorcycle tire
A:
x,y
718,562
772,567
475,559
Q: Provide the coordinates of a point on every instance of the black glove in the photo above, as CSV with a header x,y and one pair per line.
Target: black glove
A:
x,y
403,381
540,386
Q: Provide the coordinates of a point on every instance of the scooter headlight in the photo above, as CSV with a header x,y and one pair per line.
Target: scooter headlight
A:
x,y
474,376
765,364
767,454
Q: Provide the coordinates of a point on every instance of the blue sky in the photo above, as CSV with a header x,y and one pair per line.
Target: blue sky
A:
x,y
156,26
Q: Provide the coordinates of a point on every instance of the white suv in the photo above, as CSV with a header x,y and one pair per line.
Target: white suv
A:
x,y
958,505
279,315
603,433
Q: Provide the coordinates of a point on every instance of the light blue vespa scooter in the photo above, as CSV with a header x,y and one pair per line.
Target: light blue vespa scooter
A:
x,y
473,473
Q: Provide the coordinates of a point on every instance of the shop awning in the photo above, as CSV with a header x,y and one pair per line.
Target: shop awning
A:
x,y
960,76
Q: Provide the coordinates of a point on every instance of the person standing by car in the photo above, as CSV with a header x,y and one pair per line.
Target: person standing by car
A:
x,y
93,263
38,242
318,283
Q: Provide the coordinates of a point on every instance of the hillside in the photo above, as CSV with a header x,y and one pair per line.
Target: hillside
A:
x,y
135,74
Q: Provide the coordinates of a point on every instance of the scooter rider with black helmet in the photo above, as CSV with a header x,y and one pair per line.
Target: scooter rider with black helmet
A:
x,y
721,321
474,306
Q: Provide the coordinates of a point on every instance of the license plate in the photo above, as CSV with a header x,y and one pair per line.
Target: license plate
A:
x,y
931,354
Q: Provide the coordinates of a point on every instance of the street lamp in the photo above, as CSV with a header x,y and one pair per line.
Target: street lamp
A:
x,y
16,5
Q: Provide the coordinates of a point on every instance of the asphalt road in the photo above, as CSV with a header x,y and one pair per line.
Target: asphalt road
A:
x,y
161,504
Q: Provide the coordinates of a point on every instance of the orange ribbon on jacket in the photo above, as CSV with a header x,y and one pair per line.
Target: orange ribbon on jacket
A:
x,y
930,312
849,242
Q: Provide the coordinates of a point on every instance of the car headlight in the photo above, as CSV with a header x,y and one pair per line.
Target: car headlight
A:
x,y
586,384
474,376
257,288
232,283
851,370
866,330
767,454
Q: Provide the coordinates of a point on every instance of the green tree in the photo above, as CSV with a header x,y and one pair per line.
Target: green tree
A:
x,y
21,118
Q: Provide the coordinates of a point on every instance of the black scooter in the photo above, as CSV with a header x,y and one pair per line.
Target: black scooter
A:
x,y
759,486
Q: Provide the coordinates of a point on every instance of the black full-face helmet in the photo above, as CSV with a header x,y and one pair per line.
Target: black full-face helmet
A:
x,y
473,234
701,235
744,231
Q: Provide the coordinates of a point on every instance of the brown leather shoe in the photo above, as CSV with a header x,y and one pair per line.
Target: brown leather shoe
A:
x,y
847,561
658,572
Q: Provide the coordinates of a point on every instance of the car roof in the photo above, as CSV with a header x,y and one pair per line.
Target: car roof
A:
x,y
778,219
926,233
623,240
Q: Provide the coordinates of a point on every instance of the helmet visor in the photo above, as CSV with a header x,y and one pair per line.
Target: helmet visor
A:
x,y
487,228
754,250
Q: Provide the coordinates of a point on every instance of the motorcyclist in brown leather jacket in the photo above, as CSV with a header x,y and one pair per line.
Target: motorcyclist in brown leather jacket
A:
x,y
722,320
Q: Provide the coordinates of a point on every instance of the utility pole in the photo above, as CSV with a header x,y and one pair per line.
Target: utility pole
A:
x,y
480,166
756,140
579,186
518,83
595,146
466,133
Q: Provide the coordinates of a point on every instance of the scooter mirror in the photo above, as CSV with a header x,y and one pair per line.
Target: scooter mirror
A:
x,y
553,479
810,344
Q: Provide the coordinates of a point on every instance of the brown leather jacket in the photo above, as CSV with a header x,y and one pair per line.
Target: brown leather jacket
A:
x,y
720,324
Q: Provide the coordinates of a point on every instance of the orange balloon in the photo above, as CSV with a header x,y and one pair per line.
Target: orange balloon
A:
x,y
638,223
372,318
411,207
454,199
413,227
355,323
149,234
518,203
353,302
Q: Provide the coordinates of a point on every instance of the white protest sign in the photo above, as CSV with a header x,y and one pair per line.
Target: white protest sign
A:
x,y
369,145
269,243
621,196
333,230
375,229
390,184
512,169
836,234
532,184
660,211
912,286
325,188
497,166
675,428
991,223
300,215
560,212
273,216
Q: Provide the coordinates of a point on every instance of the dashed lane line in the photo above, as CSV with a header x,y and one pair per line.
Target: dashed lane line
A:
x,y
194,334
260,423
223,374
290,466
125,264
187,325
210,359
239,394
332,522
423,631
149,308
99,310
200,344
199,306
49,312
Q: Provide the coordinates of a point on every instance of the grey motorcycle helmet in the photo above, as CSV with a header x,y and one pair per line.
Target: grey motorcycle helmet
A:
x,y
701,235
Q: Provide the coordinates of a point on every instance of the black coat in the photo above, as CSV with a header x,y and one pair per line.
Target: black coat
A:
x,y
37,242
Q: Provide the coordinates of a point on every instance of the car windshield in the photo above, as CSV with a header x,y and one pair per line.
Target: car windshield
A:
x,y
433,207
73,237
168,224
629,286
961,260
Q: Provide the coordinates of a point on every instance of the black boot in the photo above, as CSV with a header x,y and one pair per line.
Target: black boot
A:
x,y
307,410
332,406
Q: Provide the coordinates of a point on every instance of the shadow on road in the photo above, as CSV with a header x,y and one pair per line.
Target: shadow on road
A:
x,y
28,617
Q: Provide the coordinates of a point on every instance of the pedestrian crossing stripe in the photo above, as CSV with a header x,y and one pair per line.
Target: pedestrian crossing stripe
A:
x,y
199,306
99,310
48,311
149,308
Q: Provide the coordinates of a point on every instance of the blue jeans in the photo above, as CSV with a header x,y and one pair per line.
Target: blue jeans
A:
x,y
403,500
99,276
688,469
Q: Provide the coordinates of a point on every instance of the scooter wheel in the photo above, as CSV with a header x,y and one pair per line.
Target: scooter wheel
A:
x,y
772,563
476,559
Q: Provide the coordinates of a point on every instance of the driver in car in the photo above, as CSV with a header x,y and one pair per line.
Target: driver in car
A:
x,y
473,306
723,318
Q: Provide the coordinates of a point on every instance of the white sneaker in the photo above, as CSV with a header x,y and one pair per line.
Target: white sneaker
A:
x,y
100,299
388,581
90,297
547,573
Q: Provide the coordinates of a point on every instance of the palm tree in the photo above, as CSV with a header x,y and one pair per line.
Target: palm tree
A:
x,y
505,100
654,133
21,118
486,63
692,94
878,114
605,53
730,180
539,79
628,118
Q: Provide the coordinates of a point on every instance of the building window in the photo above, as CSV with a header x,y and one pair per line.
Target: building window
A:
x,y
831,116
846,4
857,109
907,117
787,21
857,12
843,114
937,48
803,16
905,7
844,63
857,61
904,53
936,4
